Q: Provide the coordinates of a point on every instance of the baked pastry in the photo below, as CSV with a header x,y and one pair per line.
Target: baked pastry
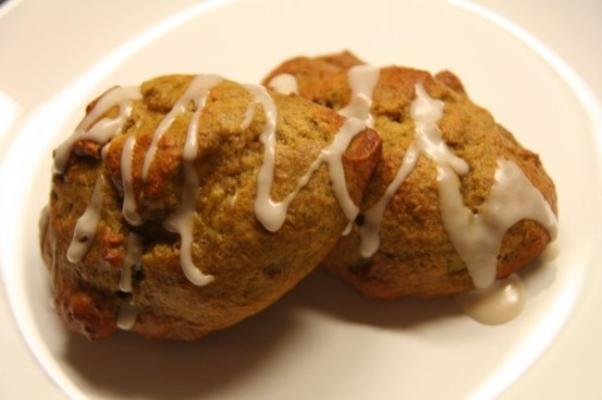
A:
x,y
455,202
190,203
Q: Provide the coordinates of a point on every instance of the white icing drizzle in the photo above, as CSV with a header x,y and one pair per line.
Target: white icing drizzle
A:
x,y
272,213
104,152
103,130
129,209
204,84
369,230
476,237
132,258
85,227
128,314
333,156
268,212
196,92
183,223
362,80
426,112
284,84
248,117
499,303
348,228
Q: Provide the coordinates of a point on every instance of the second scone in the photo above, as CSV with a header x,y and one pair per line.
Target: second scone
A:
x,y
455,202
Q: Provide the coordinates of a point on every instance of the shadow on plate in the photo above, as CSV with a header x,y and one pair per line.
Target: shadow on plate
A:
x,y
128,366
340,301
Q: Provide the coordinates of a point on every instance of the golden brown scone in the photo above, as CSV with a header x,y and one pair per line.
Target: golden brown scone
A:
x,y
251,266
416,256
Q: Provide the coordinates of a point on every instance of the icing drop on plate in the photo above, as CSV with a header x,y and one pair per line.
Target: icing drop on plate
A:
x,y
284,84
362,80
85,228
103,130
129,209
196,92
499,303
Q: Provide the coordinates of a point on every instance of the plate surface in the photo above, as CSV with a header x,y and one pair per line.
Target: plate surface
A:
x,y
322,340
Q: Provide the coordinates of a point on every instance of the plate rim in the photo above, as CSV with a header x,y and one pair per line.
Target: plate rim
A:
x,y
583,93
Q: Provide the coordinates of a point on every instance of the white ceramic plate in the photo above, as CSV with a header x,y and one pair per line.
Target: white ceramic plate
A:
x,y
322,341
